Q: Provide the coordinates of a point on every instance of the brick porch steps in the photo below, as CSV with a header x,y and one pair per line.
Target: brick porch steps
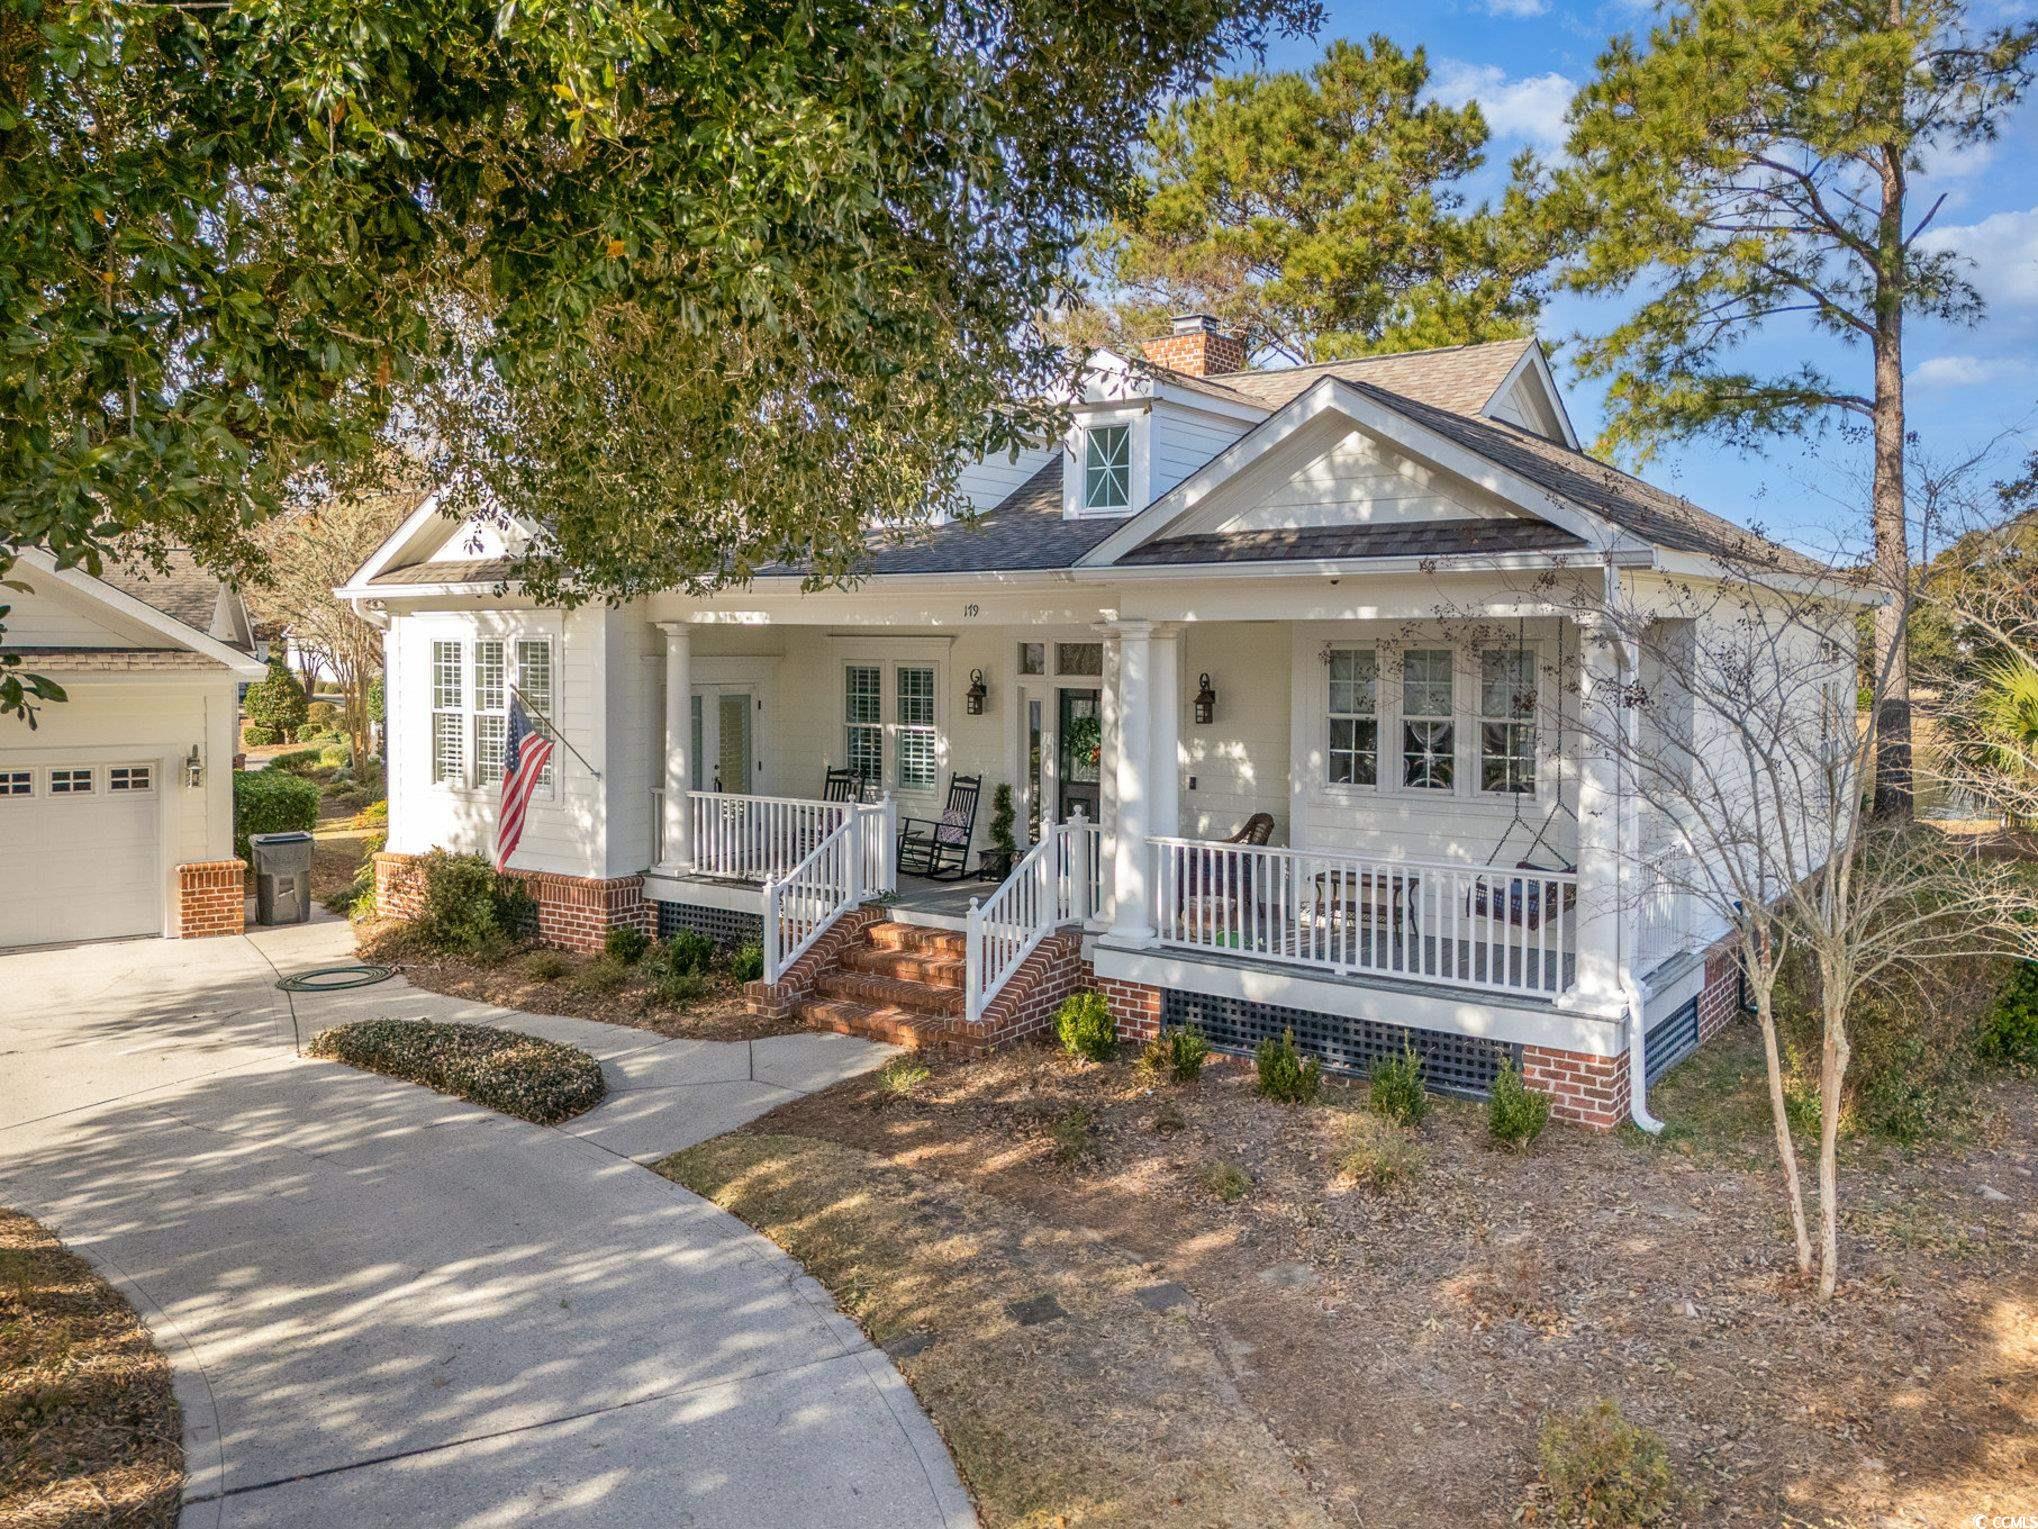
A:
x,y
901,984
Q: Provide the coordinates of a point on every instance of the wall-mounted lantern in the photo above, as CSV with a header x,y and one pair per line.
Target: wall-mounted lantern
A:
x,y
194,768
975,696
1206,702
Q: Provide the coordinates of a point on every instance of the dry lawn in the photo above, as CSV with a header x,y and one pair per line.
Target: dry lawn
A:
x,y
578,987
89,1431
1395,1349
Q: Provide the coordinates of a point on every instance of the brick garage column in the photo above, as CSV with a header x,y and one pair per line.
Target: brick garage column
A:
x,y
211,899
1585,1090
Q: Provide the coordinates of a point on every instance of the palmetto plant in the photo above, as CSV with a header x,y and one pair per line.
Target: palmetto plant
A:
x,y
2005,741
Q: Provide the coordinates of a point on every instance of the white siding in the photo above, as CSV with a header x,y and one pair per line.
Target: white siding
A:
x,y
1182,440
1240,762
986,481
1354,480
1525,404
475,537
50,615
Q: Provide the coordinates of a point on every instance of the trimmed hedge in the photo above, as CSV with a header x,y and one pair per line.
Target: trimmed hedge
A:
x,y
270,802
536,1080
470,907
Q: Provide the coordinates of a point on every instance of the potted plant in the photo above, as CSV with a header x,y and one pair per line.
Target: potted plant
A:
x,y
995,863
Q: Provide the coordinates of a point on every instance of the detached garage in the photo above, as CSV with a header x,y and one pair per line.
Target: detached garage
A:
x,y
116,809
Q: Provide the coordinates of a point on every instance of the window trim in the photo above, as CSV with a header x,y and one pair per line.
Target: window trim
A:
x,y
467,717
1138,423
1099,469
1331,718
889,725
129,788
71,774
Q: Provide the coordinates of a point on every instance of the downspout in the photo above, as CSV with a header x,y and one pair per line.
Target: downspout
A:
x,y
1631,987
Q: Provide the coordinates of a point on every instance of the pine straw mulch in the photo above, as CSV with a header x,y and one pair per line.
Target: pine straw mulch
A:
x,y
89,1430
517,981
1397,1352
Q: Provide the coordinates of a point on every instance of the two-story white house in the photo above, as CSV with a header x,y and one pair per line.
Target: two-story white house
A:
x,y
1344,613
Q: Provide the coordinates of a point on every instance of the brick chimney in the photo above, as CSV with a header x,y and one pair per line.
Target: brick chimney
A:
x,y
1198,347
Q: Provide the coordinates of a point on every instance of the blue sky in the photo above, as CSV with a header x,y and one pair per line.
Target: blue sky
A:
x,y
1521,59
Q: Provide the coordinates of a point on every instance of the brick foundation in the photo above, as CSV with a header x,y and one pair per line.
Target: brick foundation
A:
x,y
1720,999
211,898
574,912
1135,1010
1026,1004
1585,1090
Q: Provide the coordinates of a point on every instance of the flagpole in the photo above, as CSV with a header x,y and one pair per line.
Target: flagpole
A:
x,y
552,728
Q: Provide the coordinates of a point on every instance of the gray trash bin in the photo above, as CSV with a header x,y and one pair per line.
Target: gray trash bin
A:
x,y
282,877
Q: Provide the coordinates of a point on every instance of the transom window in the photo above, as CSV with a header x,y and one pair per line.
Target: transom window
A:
x,y
1354,717
863,721
71,782
1428,720
1107,468
1033,658
1507,720
128,778
17,783
1080,660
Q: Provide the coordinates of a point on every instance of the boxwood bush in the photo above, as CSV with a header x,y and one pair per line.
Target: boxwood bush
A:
x,y
469,907
520,1075
270,802
1083,1025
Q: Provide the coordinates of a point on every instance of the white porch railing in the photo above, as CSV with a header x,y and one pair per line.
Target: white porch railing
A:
x,y
1663,926
1462,926
880,830
815,892
753,838
1054,883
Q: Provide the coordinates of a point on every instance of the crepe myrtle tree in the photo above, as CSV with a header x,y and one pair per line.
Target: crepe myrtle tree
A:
x,y
691,286
1740,754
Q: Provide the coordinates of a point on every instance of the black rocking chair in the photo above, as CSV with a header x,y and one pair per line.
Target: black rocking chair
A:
x,y
939,849
841,786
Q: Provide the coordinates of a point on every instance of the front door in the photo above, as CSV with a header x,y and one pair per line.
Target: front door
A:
x,y
724,753
1079,739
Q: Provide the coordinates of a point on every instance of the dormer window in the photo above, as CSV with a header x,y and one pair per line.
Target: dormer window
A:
x,y
1107,468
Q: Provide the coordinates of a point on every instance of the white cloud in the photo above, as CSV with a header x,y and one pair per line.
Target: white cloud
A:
x,y
2004,249
1516,7
1530,109
1968,371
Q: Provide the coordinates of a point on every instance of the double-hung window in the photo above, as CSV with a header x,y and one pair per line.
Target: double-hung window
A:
x,y
1507,720
449,723
534,679
1429,735
863,718
1354,717
491,709
1107,467
915,703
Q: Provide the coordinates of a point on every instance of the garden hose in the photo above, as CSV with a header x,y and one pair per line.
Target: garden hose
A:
x,y
335,979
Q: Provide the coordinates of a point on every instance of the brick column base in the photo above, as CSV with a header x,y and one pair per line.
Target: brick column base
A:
x,y
1585,1090
574,912
211,898
1135,1010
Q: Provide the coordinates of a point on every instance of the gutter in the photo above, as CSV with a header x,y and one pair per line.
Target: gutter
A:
x,y
1631,987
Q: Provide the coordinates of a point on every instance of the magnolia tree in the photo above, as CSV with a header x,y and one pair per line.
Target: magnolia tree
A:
x,y
1744,759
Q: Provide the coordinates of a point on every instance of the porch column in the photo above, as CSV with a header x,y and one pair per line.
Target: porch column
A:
x,y
677,824
1164,771
1597,929
1132,916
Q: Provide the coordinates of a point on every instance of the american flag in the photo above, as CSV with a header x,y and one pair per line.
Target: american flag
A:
x,y
524,754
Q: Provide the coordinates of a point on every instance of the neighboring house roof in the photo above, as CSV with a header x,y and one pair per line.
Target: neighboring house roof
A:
x,y
1440,538
1462,378
115,660
182,590
472,570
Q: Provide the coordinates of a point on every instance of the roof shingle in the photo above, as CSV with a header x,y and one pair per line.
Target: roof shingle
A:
x,y
1436,538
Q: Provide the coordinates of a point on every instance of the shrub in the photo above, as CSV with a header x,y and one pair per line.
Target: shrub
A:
x,y
469,907
1515,1113
1178,1055
686,951
1603,1471
2009,1036
376,708
1283,1074
899,1077
297,761
518,1074
255,736
323,715
604,974
374,815
546,966
271,802
680,985
335,756
1379,1155
1071,1133
357,898
626,942
277,701
1226,1181
1398,1092
1084,1024
746,962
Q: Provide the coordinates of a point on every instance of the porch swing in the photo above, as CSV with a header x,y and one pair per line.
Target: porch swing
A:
x,y
1524,902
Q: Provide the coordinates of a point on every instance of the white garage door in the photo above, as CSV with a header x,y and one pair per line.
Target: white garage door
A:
x,y
78,852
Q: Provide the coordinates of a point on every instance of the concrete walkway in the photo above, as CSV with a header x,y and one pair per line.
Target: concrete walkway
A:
x,y
386,1307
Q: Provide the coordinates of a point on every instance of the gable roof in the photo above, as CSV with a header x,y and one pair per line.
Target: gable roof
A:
x,y
1462,378
178,602
182,590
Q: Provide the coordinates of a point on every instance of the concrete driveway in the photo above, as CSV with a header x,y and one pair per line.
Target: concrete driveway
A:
x,y
385,1307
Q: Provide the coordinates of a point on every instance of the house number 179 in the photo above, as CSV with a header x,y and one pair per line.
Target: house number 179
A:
x,y
971,612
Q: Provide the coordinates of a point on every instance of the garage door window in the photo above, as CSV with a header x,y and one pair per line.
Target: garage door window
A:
x,y
71,782
16,783
128,778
